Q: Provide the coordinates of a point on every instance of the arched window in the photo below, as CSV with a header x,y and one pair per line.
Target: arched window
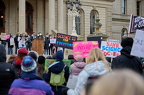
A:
x,y
93,15
79,21
29,18
124,33
2,17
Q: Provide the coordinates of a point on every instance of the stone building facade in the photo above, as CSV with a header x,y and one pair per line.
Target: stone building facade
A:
x,y
46,16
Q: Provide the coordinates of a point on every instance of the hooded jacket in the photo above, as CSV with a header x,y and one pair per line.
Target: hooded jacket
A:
x,y
7,73
91,70
127,61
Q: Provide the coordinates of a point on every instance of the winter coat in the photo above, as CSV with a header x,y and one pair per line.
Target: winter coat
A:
x,y
125,60
7,73
9,44
30,84
94,69
46,44
16,40
77,67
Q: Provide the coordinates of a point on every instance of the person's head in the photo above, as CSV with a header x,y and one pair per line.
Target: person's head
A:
x,y
22,52
59,55
49,57
33,55
127,42
2,54
122,82
28,65
41,60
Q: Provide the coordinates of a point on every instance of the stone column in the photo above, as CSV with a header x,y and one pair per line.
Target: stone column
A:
x,y
51,15
60,16
40,16
22,12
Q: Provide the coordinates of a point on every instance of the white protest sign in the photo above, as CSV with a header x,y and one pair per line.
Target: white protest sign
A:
x,y
110,49
138,45
11,41
53,41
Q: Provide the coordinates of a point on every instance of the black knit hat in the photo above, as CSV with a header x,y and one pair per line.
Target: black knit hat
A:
x,y
127,42
33,55
41,59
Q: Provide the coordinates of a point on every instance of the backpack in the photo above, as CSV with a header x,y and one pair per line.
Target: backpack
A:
x,y
57,79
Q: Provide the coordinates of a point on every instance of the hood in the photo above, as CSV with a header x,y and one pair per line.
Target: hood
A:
x,y
96,69
126,51
59,55
2,54
80,65
56,67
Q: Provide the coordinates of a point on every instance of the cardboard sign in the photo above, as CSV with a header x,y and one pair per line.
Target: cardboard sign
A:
x,y
99,39
82,49
110,49
11,41
53,41
7,36
65,41
3,36
138,45
136,22
48,62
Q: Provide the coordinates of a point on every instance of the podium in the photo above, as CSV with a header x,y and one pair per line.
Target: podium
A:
x,y
38,45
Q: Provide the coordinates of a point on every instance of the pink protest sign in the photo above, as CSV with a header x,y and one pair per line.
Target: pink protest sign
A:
x,y
7,36
81,49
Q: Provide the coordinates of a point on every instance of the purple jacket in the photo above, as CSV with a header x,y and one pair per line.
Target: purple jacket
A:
x,y
30,87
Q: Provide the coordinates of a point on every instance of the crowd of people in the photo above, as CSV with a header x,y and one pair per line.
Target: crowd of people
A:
x,y
24,73
22,40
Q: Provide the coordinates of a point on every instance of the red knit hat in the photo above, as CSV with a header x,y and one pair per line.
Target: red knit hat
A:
x,y
23,51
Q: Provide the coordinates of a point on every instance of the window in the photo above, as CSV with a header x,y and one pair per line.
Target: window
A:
x,y
93,16
138,7
123,6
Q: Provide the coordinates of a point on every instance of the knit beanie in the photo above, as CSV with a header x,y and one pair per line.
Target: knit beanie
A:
x,y
23,51
28,65
127,42
59,55
41,59
33,55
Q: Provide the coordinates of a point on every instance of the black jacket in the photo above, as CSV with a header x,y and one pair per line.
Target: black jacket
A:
x,y
7,73
46,43
127,61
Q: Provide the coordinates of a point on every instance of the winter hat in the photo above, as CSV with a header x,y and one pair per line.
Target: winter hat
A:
x,y
127,42
59,55
41,59
33,55
28,65
23,51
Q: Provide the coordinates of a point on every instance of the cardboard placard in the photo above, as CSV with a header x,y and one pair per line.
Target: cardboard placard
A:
x,y
65,41
52,41
82,49
110,49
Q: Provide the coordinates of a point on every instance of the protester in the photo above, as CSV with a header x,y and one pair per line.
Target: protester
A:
x,y
46,46
97,65
11,58
76,68
10,45
3,43
125,60
7,73
33,55
28,43
41,62
122,82
29,83
56,68
16,43
18,60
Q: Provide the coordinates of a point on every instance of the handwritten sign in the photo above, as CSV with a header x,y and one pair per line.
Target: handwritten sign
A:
x,y
48,62
7,36
82,49
3,36
138,45
65,41
110,49
53,41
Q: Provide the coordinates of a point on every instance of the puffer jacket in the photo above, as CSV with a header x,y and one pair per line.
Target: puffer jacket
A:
x,y
91,70
7,73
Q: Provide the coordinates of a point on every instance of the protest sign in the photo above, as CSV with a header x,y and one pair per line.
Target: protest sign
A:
x,y
11,41
65,41
3,36
138,45
99,39
48,62
136,22
52,41
81,49
7,36
110,49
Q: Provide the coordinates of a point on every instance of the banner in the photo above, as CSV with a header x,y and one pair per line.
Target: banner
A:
x,y
110,49
82,49
138,45
53,41
3,36
48,62
136,22
65,41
